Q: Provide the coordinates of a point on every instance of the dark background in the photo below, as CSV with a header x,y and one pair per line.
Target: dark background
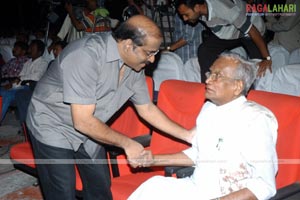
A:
x,y
18,15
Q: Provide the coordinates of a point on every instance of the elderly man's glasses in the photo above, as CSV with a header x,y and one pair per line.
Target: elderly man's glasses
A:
x,y
215,76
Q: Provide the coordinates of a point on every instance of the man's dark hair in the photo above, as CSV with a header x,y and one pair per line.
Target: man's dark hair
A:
x,y
189,3
40,45
22,45
128,31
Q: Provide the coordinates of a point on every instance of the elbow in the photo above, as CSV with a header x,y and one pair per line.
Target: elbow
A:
x,y
80,125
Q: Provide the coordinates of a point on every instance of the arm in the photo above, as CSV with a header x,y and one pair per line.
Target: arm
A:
x,y
158,119
261,45
179,34
85,122
179,43
176,159
76,23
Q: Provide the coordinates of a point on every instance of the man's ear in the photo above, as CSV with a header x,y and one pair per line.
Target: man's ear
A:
x,y
239,87
127,45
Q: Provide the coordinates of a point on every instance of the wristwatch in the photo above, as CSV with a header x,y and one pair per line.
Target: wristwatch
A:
x,y
267,58
168,48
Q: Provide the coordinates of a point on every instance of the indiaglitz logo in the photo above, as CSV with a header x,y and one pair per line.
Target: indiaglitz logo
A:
x,y
268,9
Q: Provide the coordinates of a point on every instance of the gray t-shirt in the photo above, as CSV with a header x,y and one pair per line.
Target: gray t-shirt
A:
x,y
228,20
86,72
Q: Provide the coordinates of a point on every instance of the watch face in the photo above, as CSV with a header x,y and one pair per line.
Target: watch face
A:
x,y
268,58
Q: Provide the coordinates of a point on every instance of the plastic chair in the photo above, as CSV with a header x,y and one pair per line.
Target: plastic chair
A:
x,y
169,66
295,57
286,108
21,155
181,101
286,80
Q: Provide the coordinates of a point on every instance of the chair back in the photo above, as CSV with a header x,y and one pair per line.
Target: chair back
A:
x,y
181,101
286,108
127,120
169,66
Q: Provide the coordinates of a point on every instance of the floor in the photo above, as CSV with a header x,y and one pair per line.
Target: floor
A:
x,y
14,184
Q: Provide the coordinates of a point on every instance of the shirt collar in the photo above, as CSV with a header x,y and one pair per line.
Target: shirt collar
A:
x,y
112,51
234,103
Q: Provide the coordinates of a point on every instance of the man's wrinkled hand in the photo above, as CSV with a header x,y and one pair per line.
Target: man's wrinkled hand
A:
x,y
146,160
263,66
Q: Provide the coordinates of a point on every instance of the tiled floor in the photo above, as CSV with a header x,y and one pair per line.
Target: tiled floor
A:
x,y
14,184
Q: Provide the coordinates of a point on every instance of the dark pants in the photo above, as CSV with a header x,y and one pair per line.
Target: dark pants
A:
x,y
212,47
22,100
58,180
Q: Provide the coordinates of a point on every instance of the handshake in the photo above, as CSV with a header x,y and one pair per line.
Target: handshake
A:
x,y
144,159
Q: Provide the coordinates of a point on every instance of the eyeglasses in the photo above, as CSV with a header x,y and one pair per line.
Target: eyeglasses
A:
x,y
216,76
150,53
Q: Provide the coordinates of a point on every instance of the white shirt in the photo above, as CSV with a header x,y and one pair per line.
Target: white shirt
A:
x,y
33,70
234,148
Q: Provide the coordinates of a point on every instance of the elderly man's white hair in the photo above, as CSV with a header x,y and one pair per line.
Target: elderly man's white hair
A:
x,y
245,71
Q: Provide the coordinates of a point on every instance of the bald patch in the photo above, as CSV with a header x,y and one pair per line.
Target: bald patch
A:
x,y
145,25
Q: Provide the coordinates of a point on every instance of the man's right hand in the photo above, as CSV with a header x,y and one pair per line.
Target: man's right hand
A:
x,y
134,152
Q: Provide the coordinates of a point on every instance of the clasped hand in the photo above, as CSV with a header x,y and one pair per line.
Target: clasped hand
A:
x,y
145,159
137,156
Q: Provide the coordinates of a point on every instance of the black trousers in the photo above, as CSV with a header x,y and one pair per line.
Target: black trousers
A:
x,y
58,180
212,47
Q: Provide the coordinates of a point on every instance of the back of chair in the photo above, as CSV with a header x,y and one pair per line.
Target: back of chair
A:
x,y
286,108
181,101
128,122
169,66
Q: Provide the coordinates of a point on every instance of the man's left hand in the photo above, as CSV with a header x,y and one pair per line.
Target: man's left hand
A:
x,y
264,65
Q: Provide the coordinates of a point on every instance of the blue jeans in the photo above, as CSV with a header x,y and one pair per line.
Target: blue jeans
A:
x,y
8,96
58,180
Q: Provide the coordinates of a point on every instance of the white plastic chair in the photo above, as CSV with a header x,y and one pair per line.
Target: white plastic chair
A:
x,y
169,66
287,80
295,57
280,58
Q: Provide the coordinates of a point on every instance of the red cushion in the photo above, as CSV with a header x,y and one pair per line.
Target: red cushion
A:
x,y
22,153
123,186
286,108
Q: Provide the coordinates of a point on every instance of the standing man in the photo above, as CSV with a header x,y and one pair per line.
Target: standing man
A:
x,y
85,85
231,28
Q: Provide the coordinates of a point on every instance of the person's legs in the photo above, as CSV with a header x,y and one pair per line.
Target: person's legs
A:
x,y
57,180
209,50
94,175
160,187
22,100
7,98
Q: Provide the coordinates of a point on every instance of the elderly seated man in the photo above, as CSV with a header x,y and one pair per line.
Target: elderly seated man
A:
x,y
233,150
